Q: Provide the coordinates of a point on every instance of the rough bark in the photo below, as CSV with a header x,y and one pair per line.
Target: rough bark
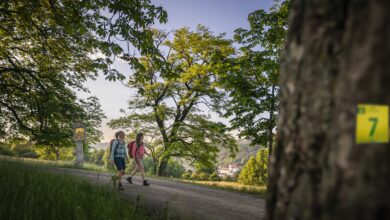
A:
x,y
162,166
337,56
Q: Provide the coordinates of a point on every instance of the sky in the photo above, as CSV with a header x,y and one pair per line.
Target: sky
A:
x,y
220,16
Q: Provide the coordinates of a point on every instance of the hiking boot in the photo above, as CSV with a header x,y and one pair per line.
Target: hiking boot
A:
x,y
120,187
146,183
129,180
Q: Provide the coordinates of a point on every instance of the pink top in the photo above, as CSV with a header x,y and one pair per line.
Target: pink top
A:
x,y
140,152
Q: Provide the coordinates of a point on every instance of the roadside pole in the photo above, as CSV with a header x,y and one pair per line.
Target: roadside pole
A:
x,y
79,136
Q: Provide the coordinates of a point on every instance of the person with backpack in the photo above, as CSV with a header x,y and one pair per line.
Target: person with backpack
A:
x,y
137,151
118,155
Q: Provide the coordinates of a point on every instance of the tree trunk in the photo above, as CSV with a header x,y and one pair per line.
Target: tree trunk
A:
x,y
162,166
337,56
57,152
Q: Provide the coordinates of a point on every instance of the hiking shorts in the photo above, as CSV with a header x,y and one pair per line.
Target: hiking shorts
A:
x,y
138,162
120,163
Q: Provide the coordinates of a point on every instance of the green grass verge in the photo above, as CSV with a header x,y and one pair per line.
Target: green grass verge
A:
x,y
222,185
48,163
231,186
27,192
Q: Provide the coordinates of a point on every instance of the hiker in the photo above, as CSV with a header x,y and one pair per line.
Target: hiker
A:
x,y
137,150
118,155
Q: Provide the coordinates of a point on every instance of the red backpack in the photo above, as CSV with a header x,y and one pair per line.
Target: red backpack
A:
x,y
130,148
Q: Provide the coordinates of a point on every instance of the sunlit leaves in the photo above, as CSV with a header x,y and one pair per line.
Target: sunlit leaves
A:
x,y
253,76
48,48
172,87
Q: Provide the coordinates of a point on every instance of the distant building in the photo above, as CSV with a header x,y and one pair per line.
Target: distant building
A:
x,y
230,170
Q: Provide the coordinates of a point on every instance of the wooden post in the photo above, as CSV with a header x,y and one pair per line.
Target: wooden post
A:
x,y
79,135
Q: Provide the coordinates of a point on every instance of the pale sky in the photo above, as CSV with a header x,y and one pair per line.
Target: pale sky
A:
x,y
220,16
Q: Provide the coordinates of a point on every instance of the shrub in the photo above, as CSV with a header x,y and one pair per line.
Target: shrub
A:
x,y
255,171
203,176
227,178
186,176
5,150
214,177
174,169
106,158
194,176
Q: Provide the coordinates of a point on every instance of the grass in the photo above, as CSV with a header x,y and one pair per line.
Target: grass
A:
x,y
48,163
27,192
231,186
223,185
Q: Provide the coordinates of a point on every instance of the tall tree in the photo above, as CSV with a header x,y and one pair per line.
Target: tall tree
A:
x,y
172,89
336,58
253,79
47,46
255,170
56,120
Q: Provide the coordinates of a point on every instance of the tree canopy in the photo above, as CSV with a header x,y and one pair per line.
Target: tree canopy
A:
x,y
173,88
253,78
48,49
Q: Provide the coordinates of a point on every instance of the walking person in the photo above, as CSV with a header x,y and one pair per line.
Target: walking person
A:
x,y
118,155
137,150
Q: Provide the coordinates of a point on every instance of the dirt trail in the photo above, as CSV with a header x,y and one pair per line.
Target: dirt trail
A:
x,y
184,201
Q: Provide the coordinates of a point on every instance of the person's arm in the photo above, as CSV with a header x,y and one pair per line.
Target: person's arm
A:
x,y
146,151
126,152
114,146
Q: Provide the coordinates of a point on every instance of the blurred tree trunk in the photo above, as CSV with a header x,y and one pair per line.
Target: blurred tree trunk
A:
x,y
337,56
57,152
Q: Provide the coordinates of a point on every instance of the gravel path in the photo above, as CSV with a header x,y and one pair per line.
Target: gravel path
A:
x,y
184,201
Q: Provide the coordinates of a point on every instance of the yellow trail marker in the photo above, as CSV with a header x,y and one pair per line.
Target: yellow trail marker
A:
x,y
372,124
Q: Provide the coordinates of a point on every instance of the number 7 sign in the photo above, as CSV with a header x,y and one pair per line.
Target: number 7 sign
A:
x,y
372,124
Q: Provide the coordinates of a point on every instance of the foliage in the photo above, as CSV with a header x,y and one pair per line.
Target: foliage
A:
x,y
194,176
202,168
55,196
232,186
215,177
5,150
186,176
54,163
199,176
255,171
203,176
148,165
227,179
96,157
55,153
172,87
174,169
106,158
22,148
253,78
49,48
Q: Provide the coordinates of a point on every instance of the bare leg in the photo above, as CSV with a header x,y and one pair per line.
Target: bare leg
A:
x,y
143,173
134,171
120,174
145,182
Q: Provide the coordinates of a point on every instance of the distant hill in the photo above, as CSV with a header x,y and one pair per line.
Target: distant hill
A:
x,y
243,154
100,146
